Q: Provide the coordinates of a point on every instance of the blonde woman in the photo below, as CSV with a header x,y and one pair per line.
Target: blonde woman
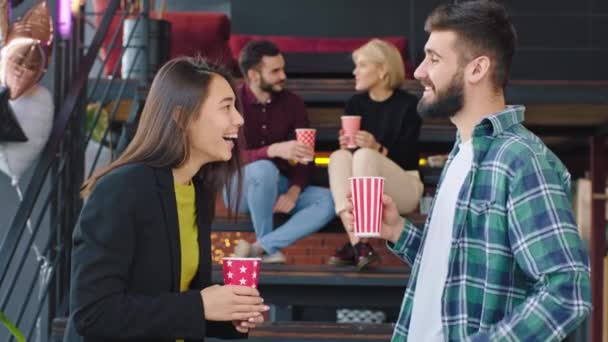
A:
x,y
386,144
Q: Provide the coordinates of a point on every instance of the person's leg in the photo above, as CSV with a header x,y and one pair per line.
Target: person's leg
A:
x,y
272,256
259,194
406,201
340,170
314,208
404,187
234,198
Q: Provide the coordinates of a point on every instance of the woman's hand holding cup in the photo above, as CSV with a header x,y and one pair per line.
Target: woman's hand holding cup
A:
x,y
232,303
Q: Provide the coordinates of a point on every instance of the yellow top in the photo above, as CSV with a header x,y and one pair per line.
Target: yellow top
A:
x,y
188,233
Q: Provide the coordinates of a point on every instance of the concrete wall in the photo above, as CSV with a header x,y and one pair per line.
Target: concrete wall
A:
x,y
559,39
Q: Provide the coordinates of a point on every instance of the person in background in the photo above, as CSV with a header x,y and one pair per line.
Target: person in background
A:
x,y
141,256
387,144
500,258
272,183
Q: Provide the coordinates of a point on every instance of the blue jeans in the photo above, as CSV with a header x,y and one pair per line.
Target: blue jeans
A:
x,y
262,185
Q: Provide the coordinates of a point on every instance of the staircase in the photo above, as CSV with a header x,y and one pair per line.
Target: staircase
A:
x,y
35,244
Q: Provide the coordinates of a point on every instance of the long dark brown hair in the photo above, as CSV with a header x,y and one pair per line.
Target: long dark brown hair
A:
x,y
176,96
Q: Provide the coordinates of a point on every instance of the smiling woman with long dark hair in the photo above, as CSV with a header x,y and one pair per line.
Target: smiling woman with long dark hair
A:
x,y
141,260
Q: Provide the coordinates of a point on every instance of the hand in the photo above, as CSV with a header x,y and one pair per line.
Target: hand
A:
x,y
244,326
366,139
392,222
230,303
291,150
343,140
287,201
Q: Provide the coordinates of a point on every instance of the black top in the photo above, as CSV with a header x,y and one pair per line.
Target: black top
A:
x,y
126,262
394,123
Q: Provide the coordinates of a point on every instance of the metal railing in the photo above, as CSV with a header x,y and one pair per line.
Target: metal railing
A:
x,y
35,250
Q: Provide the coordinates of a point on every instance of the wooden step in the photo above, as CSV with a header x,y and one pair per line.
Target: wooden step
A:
x,y
289,331
329,286
321,331
242,223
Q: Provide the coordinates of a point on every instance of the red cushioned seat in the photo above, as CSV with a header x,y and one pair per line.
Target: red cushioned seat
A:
x,y
206,33
288,44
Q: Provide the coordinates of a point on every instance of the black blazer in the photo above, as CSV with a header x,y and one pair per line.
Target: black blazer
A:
x,y
126,262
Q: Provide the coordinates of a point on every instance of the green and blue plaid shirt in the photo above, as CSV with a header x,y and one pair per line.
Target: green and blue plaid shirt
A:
x,y
518,269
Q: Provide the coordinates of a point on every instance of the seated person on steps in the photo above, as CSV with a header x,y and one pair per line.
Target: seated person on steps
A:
x,y
273,183
387,144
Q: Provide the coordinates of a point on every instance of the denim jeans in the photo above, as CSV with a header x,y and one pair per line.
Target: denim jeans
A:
x,y
262,185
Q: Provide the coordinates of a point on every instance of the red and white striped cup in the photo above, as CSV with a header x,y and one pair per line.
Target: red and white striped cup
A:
x,y
241,271
367,205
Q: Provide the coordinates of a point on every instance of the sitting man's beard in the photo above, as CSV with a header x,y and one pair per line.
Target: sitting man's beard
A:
x,y
447,103
268,87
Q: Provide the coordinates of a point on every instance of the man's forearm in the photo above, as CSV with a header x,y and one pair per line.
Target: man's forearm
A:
x,y
252,155
294,191
557,306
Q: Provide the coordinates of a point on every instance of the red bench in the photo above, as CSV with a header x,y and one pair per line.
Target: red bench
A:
x,y
209,34
320,51
192,33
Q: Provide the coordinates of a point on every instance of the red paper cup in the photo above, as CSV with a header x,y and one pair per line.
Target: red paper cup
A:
x,y
367,205
351,124
306,136
242,271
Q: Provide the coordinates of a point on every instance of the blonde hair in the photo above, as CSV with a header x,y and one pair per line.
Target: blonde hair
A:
x,y
386,55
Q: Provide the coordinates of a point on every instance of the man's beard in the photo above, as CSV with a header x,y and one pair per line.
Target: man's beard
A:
x,y
447,103
269,87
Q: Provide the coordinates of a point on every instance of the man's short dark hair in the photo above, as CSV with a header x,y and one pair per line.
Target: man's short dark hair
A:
x,y
482,27
254,51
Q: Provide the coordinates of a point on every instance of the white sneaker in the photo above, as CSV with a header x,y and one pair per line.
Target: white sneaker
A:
x,y
274,258
242,249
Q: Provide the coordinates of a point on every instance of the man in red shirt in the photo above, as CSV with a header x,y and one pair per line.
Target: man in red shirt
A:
x,y
276,175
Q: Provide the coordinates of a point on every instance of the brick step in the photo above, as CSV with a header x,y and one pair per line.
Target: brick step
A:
x,y
315,249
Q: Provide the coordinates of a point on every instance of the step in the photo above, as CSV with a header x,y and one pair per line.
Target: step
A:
x,y
329,286
320,331
289,331
222,223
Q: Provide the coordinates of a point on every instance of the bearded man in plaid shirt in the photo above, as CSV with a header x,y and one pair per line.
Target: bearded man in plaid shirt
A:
x,y
500,257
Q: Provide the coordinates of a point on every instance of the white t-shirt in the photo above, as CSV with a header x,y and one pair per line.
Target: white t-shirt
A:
x,y
425,324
